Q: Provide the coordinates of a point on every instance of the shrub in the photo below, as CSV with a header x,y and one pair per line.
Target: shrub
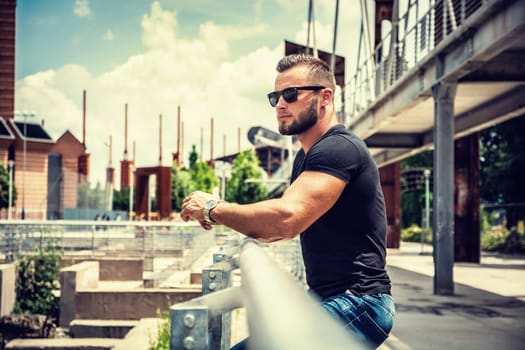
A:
x,y
413,234
38,278
499,239
162,342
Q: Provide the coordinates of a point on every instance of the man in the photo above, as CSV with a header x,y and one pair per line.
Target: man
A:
x,y
334,202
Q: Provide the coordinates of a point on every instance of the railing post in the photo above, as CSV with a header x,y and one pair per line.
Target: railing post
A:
x,y
214,279
189,327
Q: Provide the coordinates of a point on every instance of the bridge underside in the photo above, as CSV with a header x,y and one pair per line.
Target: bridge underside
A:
x,y
485,57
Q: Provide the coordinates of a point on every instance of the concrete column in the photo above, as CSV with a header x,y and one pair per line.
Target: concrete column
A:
x,y
7,288
443,213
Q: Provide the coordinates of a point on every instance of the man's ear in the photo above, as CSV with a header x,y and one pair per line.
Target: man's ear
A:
x,y
327,96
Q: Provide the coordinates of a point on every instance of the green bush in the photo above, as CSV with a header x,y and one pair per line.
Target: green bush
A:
x,y
38,278
413,234
499,239
162,342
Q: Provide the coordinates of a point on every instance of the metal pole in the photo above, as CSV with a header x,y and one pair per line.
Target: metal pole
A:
x,y
132,181
11,164
426,173
24,175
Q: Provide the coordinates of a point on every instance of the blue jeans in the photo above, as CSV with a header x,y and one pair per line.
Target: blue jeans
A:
x,y
370,317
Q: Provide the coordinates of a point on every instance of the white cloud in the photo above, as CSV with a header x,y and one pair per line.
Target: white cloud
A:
x,y
196,74
158,28
108,35
81,8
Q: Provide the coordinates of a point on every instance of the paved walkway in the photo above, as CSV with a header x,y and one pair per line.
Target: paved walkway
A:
x,y
487,310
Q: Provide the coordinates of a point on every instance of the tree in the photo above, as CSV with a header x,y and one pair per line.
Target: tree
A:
x,y
121,199
412,202
90,197
4,188
194,156
246,167
202,175
502,160
182,185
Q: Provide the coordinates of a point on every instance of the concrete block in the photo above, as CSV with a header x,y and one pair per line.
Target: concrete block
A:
x,y
72,279
7,288
101,328
112,268
64,344
129,304
140,337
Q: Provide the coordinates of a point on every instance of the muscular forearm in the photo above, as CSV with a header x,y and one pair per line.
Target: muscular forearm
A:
x,y
267,220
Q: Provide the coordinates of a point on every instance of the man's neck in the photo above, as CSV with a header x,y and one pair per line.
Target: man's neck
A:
x,y
312,135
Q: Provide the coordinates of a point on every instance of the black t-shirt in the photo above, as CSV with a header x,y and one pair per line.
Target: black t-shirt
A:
x,y
345,248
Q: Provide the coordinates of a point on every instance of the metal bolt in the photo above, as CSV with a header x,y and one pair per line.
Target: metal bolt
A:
x,y
212,274
212,286
189,320
188,343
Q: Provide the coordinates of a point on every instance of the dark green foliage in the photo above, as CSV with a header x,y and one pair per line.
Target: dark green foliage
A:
x,y
181,187
4,188
502,162
246,167
414,232
413,202
38,277
121,199
203,177
500,239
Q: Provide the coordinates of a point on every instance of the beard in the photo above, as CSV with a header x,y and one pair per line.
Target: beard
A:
x,y
304,121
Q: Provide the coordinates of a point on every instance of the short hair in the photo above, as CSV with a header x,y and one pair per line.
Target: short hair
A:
x,y
319,70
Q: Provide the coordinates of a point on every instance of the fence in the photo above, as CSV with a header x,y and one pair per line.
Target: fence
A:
x,y
184,241
413,38
280,313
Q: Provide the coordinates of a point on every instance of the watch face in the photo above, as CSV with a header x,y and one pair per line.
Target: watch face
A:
x,y
210,204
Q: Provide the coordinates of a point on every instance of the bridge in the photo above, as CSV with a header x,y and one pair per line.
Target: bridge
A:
x,y
446,70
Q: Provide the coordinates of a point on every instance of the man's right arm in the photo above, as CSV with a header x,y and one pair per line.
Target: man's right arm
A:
x,y
309,197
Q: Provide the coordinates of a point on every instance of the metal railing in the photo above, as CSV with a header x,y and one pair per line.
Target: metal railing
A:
x,y
281,315
183,242
413,38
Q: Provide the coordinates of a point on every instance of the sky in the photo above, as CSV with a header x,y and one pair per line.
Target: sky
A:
x,y
213,59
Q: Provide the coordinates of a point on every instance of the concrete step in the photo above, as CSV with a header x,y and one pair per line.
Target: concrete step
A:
x,y
101,328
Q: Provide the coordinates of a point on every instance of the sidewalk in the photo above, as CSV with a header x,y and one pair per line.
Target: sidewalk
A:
x,y
487,310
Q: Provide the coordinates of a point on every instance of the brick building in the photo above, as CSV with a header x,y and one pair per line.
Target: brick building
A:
x,y
45,173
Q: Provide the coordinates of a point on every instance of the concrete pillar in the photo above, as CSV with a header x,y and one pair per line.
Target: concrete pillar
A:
x,y
443,213
7,288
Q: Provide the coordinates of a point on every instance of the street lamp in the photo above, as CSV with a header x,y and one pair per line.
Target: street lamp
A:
x,y
10,163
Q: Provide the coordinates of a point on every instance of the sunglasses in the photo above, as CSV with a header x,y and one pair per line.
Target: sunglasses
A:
x,y
289,94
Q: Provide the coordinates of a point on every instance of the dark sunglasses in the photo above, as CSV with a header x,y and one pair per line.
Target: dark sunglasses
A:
x,y
289,94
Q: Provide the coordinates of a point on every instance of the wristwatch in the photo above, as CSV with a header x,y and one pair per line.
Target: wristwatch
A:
x,y
208,207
